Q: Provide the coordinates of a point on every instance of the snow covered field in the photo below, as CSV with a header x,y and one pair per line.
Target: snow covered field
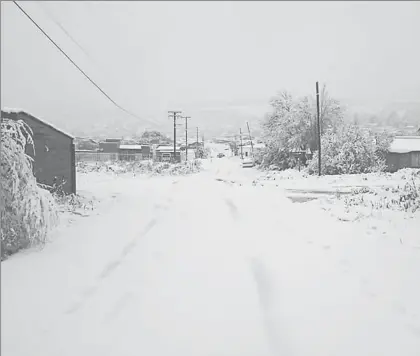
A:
x,y
215,263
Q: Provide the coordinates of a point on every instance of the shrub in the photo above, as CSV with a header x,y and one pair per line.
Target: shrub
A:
x,y
349,150
141,167
28,211
405,198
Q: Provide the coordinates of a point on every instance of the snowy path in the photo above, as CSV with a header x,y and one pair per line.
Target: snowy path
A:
x,y
202,266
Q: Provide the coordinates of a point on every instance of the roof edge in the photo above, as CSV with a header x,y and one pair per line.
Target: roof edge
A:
x,y
19,111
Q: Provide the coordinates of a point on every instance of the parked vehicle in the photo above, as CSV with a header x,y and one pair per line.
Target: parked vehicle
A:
x,y
220,155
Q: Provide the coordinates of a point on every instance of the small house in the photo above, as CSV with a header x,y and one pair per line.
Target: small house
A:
x,y
250,150
246,150
404,152
54,156
166,154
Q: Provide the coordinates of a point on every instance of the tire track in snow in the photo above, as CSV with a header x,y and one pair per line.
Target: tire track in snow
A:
x,y
109,269
267,298
118,307
232,208
126,250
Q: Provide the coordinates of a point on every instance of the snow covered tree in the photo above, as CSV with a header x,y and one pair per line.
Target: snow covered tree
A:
x,y
292,126
27,210
149,136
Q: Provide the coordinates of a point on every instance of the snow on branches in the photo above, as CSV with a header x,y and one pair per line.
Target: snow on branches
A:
x,y
28,212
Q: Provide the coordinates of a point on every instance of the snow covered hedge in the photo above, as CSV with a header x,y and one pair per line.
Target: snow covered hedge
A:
x,y
28,211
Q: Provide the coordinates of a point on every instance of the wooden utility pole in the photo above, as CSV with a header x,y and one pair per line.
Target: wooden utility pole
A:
x,y
174,115
196,144
240,137
319,129
186,136
250,138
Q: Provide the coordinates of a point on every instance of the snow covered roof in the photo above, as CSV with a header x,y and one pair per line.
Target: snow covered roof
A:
x,y
130,147
256,146
42,121
404,144
259,145
167,148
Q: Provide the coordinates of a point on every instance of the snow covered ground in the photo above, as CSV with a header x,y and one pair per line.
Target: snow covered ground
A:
x,y
213,263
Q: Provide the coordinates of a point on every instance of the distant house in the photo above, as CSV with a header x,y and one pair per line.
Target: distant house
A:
x,y
85,144
249,150
165,153
134,152
194,145
404,152
54,156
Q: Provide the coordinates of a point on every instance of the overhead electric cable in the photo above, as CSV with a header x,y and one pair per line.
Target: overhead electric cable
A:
x,y
78,68
58,23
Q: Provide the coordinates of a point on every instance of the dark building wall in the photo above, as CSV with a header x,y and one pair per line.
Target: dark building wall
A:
x,y
145,150
54,153
129,155
415,159
109,147
396,161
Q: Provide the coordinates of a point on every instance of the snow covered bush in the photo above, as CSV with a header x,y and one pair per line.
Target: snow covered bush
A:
x,y
28,211
399,191
73,203
141,167
350,150
405,198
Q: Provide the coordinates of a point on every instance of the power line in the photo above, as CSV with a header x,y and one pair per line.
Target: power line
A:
x,y
58,23
78,68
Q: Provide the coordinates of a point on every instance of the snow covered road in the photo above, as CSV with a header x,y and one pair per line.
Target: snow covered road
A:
x,y
210,265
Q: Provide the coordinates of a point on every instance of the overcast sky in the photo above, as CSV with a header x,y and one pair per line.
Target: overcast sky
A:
x,y
156,56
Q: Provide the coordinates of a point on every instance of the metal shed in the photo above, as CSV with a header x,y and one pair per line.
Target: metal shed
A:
x,y
54,157
166,153
404,152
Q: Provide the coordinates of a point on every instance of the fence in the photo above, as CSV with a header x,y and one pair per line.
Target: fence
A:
x,y
106,157
83,156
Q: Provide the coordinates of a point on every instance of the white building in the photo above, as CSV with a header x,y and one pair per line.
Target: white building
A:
x,y
249,150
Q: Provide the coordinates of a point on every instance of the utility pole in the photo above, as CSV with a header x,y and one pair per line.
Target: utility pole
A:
x,y
319,130
174,114
240,136
250,138
186,136
196,144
